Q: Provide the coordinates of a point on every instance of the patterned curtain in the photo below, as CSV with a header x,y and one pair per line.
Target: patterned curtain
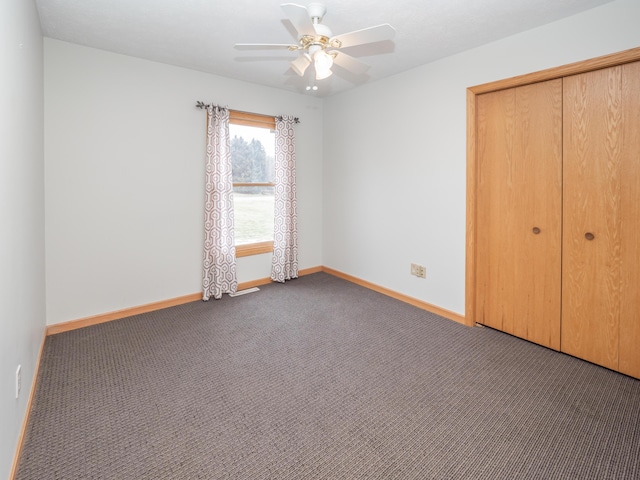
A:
x,y
219,264
284,265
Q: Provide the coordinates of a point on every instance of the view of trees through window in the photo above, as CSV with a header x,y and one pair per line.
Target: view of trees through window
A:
x,y
252,159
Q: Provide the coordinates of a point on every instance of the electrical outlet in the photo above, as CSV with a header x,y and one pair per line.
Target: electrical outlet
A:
x,y
422,272
18,380
418,270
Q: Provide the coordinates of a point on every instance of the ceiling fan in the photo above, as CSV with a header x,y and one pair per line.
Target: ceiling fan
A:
x,y
317,44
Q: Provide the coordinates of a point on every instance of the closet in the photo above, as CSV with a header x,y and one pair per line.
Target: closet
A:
x,y
554,219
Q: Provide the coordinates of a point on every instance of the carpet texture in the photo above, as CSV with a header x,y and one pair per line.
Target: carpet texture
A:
x,y
321,379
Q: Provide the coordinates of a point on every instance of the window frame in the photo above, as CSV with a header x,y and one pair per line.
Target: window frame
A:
x,y
260,121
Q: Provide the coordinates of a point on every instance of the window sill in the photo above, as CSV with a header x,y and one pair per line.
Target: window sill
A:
x,y
254,249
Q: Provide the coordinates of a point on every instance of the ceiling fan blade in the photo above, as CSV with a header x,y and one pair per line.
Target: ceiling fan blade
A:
x,y
264,46
299,17
366,35
300,64
349,63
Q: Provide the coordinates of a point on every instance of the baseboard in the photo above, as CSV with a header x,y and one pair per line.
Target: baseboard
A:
x,y
118,314
172,302
267,280
25,421
456,317
150,307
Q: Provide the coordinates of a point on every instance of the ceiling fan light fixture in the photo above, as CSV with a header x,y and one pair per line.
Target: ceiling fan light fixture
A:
x,y
322,63
300,64
314,38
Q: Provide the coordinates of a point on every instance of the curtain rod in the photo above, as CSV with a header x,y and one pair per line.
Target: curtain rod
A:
x,y
202,105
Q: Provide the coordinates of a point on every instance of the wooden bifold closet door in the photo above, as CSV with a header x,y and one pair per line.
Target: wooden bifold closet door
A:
x,y
601,243
519,216
557,254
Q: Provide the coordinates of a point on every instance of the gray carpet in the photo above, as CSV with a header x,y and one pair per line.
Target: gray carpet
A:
x,y
321,379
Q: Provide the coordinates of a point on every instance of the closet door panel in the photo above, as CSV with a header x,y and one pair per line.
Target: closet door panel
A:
x,y
495,216
519,211
591,278
630,236
538,148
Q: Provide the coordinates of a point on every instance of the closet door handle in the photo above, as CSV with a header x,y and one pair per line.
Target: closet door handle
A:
x,y
536,230
589,236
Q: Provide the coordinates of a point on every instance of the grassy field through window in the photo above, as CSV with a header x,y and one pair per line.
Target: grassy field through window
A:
x,y
253,217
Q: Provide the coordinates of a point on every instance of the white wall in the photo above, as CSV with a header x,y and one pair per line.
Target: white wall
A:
x,y
395,154
22,288
124,176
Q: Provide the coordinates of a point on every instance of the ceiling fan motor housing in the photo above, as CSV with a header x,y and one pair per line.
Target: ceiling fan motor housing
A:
x,y
316,11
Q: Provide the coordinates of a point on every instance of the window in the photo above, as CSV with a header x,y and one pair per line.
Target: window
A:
x,y
252,160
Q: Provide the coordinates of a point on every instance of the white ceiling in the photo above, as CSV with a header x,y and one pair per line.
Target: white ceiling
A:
x,y
200,34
